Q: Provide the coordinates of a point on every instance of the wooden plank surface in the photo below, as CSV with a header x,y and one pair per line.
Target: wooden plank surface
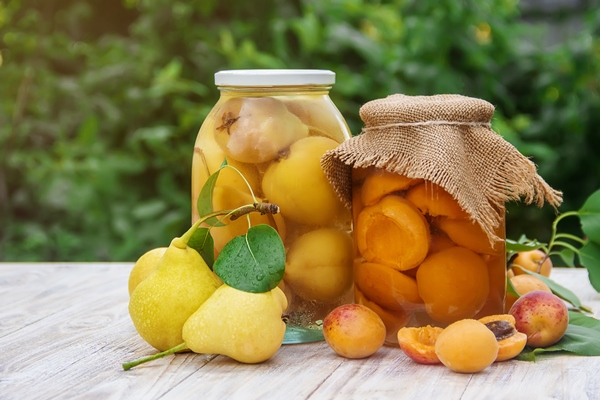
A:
x,y
65,330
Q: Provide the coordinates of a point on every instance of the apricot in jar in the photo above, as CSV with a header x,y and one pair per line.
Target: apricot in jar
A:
x,y
433,200
298,185
453,284
319,265
466,346
392,232
354,331
381,183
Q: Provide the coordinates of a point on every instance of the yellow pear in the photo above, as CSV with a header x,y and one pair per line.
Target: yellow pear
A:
x,y
160,305
242,325
144,266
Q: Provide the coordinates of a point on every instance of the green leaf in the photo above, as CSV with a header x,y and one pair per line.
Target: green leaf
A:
x,y
202,242
297,334
558,290
589,255
517,246
253,262
582,338
568,257
204,203
510,289
589,215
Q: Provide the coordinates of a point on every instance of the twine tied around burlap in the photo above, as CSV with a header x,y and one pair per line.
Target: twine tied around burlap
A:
x,y
448,140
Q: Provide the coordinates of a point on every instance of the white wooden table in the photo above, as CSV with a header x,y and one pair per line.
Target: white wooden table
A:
x,y
65,330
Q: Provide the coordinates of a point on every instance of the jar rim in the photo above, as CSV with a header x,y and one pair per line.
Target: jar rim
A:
x,y
274,77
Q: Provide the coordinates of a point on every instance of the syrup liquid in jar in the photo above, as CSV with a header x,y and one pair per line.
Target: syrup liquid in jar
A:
x,y
273,126
419,260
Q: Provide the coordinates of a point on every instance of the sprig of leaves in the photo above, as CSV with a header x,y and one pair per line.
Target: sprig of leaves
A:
x,y
253,262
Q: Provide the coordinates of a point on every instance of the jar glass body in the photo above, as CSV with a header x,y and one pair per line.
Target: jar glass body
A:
x,y
275,137
419,260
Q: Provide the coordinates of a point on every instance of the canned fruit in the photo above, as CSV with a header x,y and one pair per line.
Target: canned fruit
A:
x,y
392,232
354,331
319,265
453,284
298,185
534,260
386,286
468,234
256,129
381,183
524,284
419,343
510,341
433,200
318,114
467,346
392,319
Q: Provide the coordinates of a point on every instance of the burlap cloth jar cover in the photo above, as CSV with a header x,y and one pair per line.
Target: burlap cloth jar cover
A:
x,y
448,140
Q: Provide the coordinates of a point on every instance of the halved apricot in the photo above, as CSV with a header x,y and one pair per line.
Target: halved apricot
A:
x,y
386,286
440,241
381,183
433,200
419,343
392,319
453,283
392,232
510,341
468,234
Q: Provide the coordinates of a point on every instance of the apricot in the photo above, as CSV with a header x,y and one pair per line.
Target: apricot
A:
x,y
298,185
453,283
534,260
392,319
392,232
524,284
419,343
256,129
386,286
433,200
319,265
229,198
381,183
542,316
467,346
510,341
440,241
468,234
354,331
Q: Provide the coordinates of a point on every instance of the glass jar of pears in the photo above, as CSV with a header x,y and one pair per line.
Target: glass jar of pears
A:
x,y
420,260
272,128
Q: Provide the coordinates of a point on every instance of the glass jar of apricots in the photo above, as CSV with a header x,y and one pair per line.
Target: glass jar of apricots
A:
x,y
272,127
420,260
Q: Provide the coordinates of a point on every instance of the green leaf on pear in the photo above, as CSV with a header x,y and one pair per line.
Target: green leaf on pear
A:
x,y
203,243
253,262
589,215
204,203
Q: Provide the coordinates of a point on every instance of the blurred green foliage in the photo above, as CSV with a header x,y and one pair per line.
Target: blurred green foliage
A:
x,y
100,101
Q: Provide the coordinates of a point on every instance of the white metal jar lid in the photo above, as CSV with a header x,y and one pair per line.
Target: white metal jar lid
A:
x,y
274,77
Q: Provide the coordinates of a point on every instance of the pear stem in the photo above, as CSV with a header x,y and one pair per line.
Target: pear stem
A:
x,y
128,365
263,208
